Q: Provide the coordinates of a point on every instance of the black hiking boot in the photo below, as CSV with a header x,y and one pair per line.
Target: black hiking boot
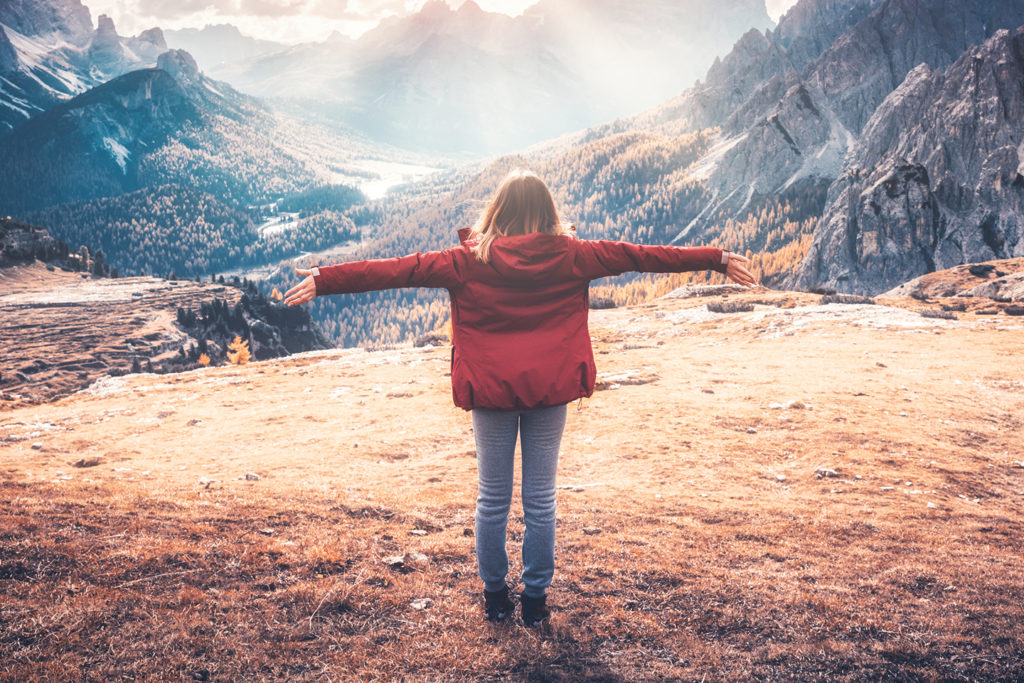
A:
x,y
497,605
535,610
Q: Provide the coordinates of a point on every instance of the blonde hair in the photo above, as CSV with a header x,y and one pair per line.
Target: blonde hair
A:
x,y
521,206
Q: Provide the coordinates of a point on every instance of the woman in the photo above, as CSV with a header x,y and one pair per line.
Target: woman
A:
x,y
521,351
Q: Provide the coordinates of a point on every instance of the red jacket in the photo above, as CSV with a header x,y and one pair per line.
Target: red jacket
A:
x,y
519,323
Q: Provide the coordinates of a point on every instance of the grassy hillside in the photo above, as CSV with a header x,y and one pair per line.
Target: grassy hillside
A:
x,y
802,491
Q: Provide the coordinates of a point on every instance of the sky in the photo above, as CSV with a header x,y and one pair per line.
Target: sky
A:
x,y
290,21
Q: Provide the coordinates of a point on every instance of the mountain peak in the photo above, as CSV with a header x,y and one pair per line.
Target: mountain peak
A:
x,y
155,36
104,24
179,64
470,7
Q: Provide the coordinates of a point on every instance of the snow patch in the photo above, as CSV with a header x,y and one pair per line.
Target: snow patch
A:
x,y
118,151
703,167
209,87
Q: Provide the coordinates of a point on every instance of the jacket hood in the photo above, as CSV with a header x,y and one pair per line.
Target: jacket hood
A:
x,y
527,257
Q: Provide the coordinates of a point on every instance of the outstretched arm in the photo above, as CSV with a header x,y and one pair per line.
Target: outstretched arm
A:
x,y
601,258
427,269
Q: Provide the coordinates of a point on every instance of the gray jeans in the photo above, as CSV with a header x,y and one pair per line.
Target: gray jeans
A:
x,y
495,433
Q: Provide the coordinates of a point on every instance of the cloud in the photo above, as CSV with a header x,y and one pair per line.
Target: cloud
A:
x,y
169,9
776,8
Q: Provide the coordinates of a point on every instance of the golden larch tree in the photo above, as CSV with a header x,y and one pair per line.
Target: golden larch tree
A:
x,y
238,351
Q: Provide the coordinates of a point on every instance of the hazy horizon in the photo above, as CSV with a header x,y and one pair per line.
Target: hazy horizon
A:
x,y
293,21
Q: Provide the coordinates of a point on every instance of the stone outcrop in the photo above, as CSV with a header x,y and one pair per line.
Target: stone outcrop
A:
x,y
180,65
105,51
63,324
935,179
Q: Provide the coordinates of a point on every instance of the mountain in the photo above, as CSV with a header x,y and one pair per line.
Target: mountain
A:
x,y
751,163
216,46
49,53
781,118
150,126
91,145
69,18
936,178
473,82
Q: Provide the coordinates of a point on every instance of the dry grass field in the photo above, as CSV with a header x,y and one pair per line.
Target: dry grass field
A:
x,y
799,492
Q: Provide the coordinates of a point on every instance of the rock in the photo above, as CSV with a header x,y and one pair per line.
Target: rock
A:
x,y
431,339
421,603
591,530
415,560
780,477
601,302
417,532
730,306
888,488
206,481
408,562
988,311
690,291
932,505
751,430
931,313
38,445
267,532
845,299
88,462
1014,310
252,476
467,532
909,211
981,269
823,472
793,404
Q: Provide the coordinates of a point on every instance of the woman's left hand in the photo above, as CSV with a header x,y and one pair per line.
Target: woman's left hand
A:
x,y
737,273
302,292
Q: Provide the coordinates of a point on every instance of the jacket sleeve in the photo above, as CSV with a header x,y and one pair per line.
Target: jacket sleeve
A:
x,y
601,258
426,269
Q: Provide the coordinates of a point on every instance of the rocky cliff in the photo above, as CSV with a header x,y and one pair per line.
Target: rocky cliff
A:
x,y
935,179
63,324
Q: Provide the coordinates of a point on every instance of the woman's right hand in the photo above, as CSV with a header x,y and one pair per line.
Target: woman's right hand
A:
x,y
302,292
737,273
